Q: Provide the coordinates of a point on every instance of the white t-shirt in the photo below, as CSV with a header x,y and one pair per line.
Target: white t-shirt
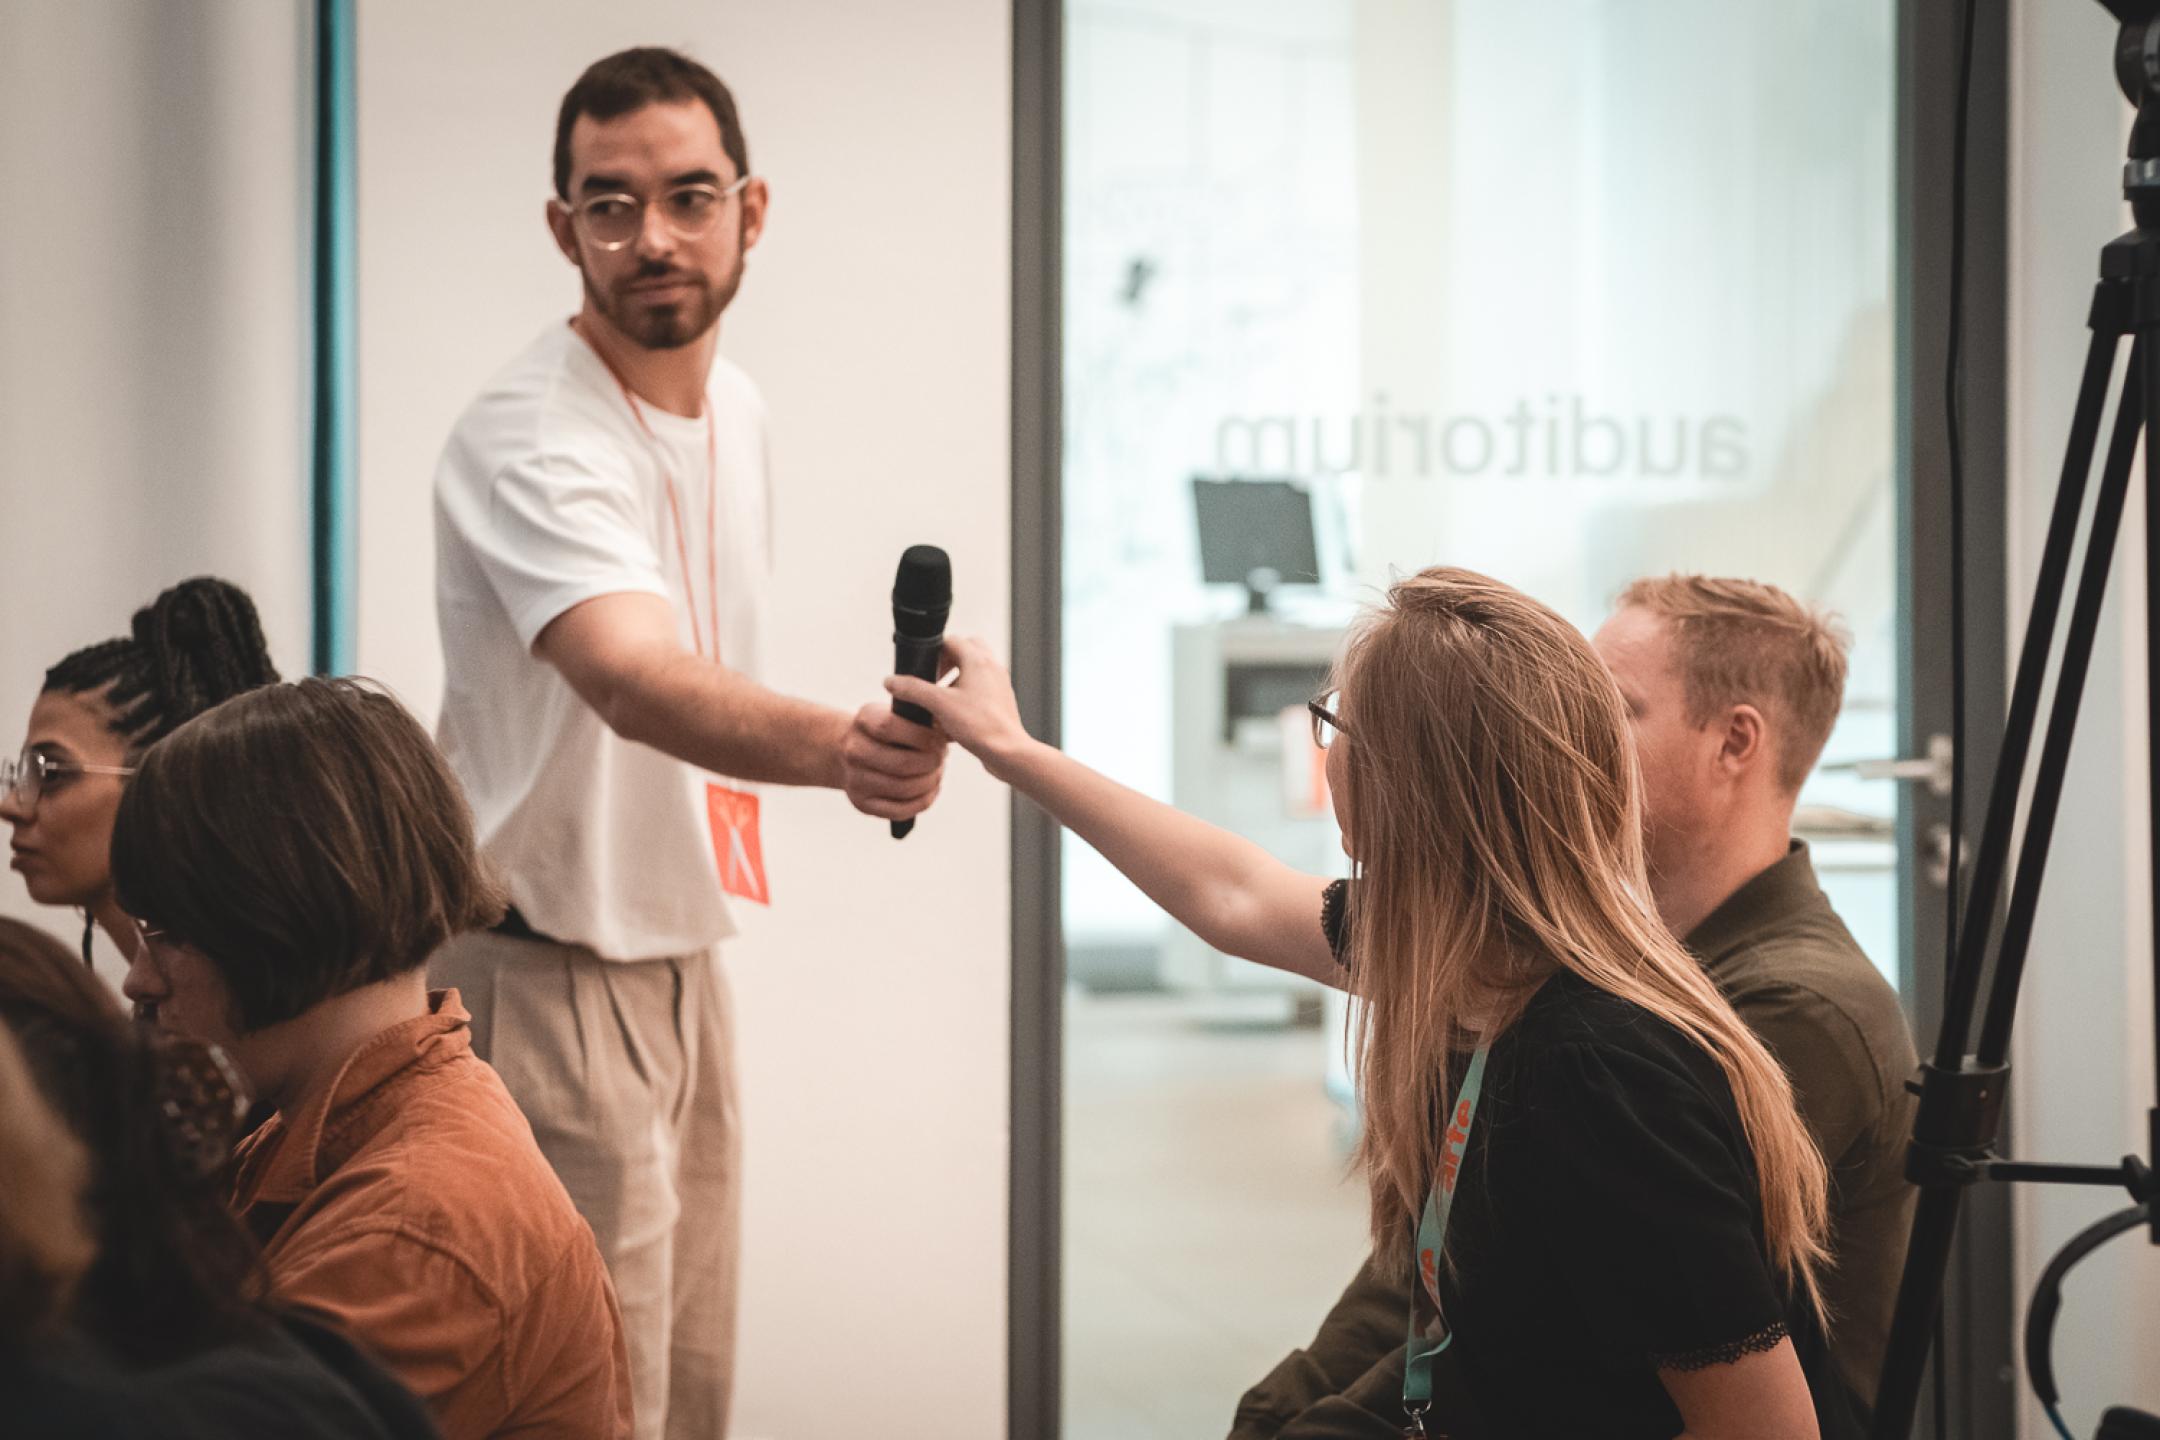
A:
x,y
548,494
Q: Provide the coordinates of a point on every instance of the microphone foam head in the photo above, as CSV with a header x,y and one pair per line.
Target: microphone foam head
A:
x,y
924,584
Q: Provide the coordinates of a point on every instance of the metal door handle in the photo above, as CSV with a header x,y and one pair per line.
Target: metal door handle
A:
x,y
1934,770
1829,822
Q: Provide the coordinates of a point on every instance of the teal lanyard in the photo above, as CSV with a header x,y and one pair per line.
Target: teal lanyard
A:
x,y
1429,1332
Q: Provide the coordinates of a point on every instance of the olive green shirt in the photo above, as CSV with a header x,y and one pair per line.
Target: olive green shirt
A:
x,y
1794,973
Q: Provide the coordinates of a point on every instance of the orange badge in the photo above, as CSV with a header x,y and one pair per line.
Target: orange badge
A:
x,y
735,842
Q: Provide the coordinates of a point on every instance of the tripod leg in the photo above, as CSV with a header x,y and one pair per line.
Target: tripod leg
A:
x,y
2062,720
1993,850
1959,1107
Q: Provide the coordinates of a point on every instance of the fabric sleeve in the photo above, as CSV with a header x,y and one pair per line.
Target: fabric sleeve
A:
x,y
1371,1409
421,1313
575,1371
1639,1181
556,529
1364,1328
1826,1056
1370,1406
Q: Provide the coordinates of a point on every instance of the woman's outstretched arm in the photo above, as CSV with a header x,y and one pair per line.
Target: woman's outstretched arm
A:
x,y
1225,889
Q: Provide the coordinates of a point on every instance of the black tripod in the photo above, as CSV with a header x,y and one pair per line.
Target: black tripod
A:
x,y
1961,1094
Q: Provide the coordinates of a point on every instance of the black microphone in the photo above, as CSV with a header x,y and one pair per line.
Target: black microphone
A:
x,y
921,599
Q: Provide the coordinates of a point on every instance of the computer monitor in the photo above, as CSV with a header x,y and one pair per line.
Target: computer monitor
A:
x,y
1256,533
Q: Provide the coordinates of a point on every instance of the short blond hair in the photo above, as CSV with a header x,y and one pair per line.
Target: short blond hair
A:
x,y
1742,642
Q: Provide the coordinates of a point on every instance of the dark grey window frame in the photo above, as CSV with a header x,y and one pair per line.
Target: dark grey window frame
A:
x,y
1035,1305
1977,1360
1977,1332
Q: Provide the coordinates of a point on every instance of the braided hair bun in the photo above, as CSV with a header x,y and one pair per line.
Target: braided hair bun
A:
x,y
195,646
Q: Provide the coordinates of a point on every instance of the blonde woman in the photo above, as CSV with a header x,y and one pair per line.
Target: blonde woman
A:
x,y
1594,1171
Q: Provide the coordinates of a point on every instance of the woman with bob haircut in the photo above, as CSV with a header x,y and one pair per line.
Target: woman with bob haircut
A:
x,y
131,1301
1590,1170
292,858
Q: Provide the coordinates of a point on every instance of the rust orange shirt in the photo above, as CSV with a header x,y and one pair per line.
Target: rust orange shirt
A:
x,y
409,1205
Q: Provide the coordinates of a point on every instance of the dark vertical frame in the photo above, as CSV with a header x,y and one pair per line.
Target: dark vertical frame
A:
x,y
1038,958
335,409
1978,1325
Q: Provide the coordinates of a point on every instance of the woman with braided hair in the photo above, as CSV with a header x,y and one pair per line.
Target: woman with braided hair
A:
x,y
196,645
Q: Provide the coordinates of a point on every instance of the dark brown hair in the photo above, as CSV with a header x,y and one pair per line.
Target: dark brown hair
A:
x,y
308,838
632,79
174,1272
45,1243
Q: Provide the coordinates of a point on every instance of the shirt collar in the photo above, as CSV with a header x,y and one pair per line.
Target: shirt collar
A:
x,y
291,1156
1766,902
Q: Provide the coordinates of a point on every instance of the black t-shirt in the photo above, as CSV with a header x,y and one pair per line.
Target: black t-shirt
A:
x,y
293,1379
1608,1222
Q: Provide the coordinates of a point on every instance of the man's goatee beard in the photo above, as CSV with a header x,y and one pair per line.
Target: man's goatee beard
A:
x,y
663,330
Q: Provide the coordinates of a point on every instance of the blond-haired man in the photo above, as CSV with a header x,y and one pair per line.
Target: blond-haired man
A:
x,y
1732,687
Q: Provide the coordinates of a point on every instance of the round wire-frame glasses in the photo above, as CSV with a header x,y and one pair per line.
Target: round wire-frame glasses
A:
x,y
23,779
614,219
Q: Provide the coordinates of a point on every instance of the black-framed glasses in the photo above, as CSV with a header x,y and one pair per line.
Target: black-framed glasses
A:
x,y
613,220
1325,725
24,778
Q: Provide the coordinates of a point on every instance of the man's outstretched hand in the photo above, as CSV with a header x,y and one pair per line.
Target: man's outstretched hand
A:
x,y
890,767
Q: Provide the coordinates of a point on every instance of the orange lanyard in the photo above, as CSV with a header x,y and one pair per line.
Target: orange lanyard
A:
x,y
674,500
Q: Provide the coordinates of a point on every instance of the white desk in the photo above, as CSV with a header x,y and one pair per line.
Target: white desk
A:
x,y
1231,680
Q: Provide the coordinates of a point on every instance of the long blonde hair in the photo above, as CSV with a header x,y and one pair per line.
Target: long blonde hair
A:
x,y
1495,806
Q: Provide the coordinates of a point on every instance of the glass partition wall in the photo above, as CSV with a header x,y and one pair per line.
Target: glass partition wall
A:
x,y
1567,294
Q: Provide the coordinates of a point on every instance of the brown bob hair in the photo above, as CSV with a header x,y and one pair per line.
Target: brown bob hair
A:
x,y
307,838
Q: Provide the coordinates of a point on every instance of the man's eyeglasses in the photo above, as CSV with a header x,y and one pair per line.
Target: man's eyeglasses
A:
x,y
613,220
24,778
1325,727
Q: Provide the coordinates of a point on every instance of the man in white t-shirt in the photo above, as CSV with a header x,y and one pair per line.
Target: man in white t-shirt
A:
x,y
602,520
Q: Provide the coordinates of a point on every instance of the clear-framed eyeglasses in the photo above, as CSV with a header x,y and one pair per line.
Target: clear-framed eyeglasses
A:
x,y
614,219
24,778
155,944
1325,724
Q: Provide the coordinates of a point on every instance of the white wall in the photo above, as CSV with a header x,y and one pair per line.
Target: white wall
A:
x,y
875,315
153,425
2083,1061
152,325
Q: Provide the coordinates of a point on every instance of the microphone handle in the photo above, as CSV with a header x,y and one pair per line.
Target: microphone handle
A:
x,y
915,655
